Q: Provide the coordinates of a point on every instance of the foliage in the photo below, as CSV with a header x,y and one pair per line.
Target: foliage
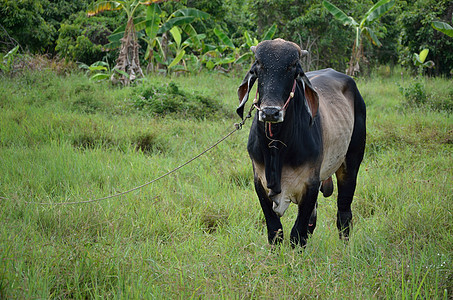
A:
x,y
421,62
169,98
58,27
414,94
98,71
24,21
7,60
361,28
443,27
34,23
157,26
74,41
417,34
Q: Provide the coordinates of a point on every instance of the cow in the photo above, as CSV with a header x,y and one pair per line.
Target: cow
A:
x,y
307,126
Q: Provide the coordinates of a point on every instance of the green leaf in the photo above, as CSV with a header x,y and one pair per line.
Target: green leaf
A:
x,y
377,10
223,38
193,12
152,20
443,27
369,33
339,14
100,76
423,54
210,65
270,32
97,68
176,33
177,21
177,59
226,60
12,52
122,73
244,58
194,38
248,40
195,41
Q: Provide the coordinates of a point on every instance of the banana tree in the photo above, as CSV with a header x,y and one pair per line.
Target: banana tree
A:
x,y
154,29
361,28
421,62
217,57
177,23
249,42
127,66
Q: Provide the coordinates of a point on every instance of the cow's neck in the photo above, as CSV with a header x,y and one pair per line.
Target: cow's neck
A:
x,y
283,142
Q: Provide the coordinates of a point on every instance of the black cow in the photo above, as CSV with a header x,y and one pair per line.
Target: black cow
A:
x,y
307,127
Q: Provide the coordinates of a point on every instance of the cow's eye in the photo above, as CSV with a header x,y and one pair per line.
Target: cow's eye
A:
x,y
255,68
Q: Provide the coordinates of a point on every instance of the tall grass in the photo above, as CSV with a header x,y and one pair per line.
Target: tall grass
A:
x,y
200,233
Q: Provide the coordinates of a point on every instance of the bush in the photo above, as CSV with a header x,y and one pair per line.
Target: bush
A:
x,y
83,39
22,23
417,33
170,99
414,94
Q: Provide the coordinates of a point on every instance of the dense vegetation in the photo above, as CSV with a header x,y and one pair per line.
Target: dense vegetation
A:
x,y
62,28
68,134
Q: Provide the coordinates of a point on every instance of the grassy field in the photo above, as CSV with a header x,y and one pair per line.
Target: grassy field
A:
x,y
200,233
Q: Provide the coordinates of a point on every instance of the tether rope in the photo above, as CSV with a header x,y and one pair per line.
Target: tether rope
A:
x,y
238,126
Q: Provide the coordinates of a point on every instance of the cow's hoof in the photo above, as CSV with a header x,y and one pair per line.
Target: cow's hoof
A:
x,y
276,237
298,240
344,224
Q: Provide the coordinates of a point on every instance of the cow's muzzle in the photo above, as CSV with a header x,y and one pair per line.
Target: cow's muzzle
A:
x,y
272,114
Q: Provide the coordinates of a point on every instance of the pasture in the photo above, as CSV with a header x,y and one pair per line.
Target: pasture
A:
x,y
200,232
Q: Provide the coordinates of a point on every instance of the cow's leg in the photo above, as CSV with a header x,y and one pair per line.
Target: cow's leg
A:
x,y
312,220
273,224
346,181
299,233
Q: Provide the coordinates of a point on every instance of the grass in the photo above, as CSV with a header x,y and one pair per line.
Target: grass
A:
x,y
200,233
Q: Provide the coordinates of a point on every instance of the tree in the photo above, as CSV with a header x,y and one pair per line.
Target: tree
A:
x,y
128,63
417,33
362,28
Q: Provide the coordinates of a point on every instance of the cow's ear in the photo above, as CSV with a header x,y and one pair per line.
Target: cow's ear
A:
x,y
244,90
311,96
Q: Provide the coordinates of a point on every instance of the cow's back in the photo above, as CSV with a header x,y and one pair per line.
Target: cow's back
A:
x,y
336,110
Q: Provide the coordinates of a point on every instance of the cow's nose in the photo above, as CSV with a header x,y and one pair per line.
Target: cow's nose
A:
x,y
271,114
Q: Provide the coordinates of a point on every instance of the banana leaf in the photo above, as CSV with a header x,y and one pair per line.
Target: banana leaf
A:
x,y
377,11
177,59
270,33
339,14
101,6
443,27
223,38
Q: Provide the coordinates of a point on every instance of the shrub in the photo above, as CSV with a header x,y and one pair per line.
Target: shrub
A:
x,y
170,99
83,39
414,94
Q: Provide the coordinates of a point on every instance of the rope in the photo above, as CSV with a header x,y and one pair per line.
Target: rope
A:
x,y
238,126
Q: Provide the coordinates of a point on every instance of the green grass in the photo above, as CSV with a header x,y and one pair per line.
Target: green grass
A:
x,y
200,233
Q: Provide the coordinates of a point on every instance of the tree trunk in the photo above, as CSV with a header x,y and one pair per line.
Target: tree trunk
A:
x,y
356,57
128,64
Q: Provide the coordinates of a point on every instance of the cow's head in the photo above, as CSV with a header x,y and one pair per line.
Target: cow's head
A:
x,y
277,68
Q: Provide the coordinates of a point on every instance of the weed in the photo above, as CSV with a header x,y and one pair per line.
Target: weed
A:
x,y
414,94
